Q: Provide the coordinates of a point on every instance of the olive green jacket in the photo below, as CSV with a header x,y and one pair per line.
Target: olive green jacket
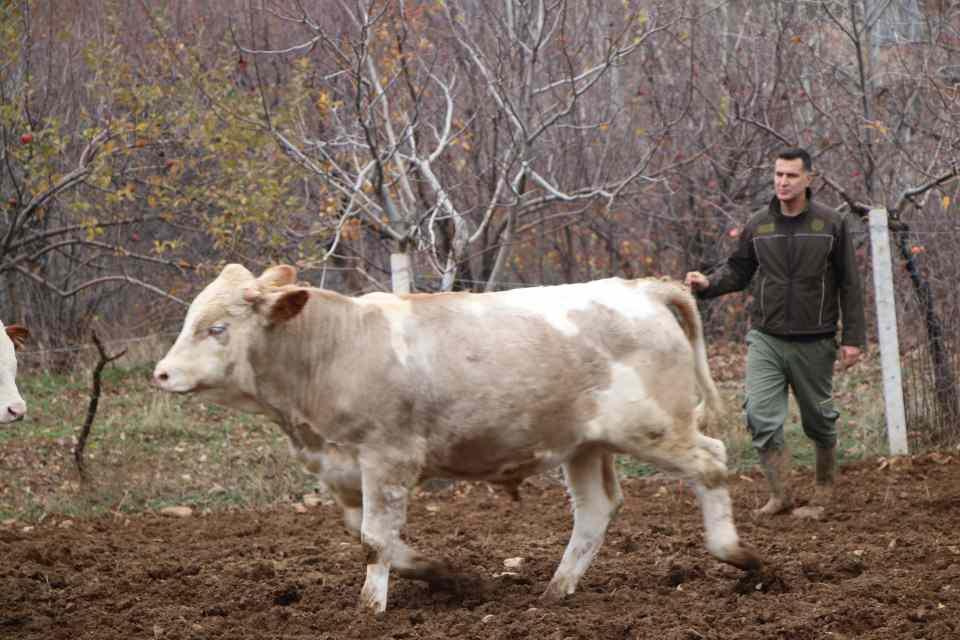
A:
x,y
806,274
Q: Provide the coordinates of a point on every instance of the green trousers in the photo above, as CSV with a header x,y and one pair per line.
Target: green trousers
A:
x,y
775,366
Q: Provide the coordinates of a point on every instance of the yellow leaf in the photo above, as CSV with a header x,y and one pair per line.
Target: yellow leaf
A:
x,y
945,201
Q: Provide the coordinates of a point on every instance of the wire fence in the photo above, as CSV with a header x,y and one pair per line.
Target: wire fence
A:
x,y
928,321
140,350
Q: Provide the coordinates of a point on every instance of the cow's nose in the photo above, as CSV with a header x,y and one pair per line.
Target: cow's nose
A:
x,y
160,376
16,410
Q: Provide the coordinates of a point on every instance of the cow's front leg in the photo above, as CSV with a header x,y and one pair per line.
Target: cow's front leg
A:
x,y
595,492
385,492
407,562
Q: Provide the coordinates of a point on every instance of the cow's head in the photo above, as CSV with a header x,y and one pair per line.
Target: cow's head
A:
x,y
211,353
12,406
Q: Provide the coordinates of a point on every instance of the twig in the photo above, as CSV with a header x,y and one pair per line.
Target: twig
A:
x,y
97,281
94,401
910,194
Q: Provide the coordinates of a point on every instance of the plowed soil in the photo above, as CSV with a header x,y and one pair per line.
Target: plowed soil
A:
x,y
884,563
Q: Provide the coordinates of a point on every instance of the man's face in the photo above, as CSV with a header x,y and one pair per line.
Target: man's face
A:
x,y
790,179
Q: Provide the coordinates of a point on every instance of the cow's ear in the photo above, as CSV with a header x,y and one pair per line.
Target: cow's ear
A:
x,y
18,334
277,276
286,305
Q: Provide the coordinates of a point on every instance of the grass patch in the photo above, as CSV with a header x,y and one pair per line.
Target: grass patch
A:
x,y
147,450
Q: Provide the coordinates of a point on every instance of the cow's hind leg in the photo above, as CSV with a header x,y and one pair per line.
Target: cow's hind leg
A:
x,y
595,492
703,463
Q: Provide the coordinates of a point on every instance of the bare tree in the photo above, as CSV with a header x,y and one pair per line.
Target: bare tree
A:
x,y
449,144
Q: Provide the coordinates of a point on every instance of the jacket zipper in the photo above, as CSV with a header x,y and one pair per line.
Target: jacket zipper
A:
x,y
787,306
823,298
763,301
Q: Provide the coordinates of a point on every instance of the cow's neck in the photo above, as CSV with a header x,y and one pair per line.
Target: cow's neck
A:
x,y
292,361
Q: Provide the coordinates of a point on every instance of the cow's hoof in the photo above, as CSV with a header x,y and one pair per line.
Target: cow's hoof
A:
x,y
373,595
744,558
370,605
555,592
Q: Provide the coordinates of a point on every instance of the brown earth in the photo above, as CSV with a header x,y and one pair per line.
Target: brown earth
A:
x,y
885,564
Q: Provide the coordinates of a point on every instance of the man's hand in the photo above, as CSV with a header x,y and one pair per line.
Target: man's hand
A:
x,y
696,281
849,356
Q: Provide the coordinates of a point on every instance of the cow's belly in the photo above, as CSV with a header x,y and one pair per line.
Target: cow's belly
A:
x,y
499,466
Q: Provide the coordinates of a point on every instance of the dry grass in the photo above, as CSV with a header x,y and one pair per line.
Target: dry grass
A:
x,y
147,450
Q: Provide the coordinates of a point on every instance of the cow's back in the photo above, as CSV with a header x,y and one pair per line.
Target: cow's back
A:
x,y
516,380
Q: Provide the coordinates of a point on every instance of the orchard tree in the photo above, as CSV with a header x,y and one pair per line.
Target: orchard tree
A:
x,y
61,256
454,130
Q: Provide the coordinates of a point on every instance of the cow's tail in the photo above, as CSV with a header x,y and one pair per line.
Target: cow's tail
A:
x,y
679,297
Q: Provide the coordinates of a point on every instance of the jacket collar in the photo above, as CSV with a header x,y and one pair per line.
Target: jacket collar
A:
x,y
775,206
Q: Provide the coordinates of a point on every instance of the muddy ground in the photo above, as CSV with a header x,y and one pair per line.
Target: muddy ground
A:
x,y
885,564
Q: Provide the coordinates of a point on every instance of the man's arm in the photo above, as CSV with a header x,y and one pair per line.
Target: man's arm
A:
x,y
850,293
734,275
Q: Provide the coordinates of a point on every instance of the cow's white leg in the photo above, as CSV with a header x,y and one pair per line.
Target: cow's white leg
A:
x,y
408,562
703,462
722,539
384,514
595,491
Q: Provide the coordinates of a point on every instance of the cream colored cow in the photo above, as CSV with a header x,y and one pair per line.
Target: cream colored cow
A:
x,y
12,406
379,392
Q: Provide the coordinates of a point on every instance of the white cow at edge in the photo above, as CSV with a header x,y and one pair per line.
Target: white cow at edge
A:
x,y
379,392
12,406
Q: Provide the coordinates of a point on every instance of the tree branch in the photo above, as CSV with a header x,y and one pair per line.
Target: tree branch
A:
x,y
67,293
68,181
92,407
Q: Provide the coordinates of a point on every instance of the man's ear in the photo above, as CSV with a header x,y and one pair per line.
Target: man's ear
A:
x,y
18,335
284,305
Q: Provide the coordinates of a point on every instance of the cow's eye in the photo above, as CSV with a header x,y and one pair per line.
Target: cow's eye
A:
x,y
217,330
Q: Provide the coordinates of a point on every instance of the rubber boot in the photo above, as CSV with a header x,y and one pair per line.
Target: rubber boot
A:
x,y
823,489
776,468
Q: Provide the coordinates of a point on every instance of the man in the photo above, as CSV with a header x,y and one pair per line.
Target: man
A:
x,y
800,256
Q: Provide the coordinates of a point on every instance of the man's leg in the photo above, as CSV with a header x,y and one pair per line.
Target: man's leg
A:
x,y
811,376
766,410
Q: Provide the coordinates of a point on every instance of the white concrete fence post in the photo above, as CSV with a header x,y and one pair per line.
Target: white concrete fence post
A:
x,y
887,332
400,272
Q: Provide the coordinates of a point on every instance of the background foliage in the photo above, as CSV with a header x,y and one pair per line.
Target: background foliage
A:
x,y
489,144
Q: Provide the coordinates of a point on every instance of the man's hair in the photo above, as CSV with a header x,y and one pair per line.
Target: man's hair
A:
x,y
796,152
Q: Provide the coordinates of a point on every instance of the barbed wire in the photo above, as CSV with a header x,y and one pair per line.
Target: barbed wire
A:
x,y
84,347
